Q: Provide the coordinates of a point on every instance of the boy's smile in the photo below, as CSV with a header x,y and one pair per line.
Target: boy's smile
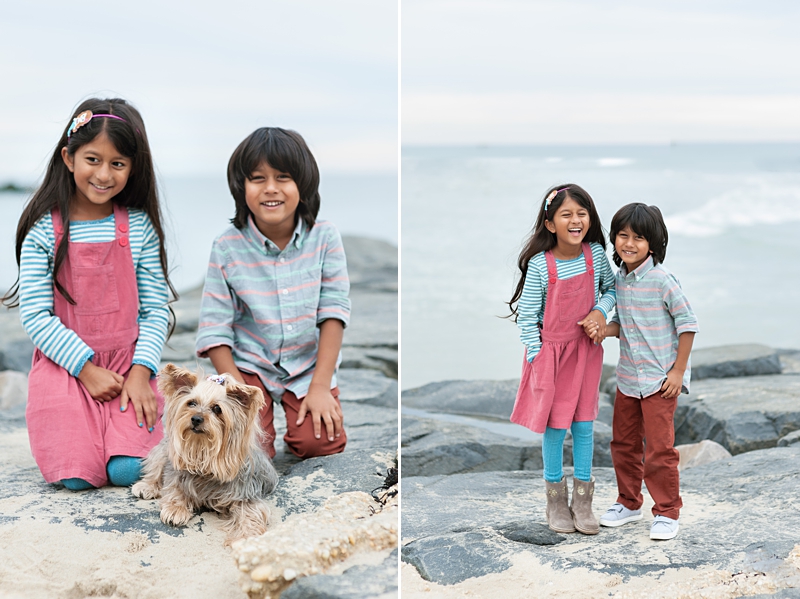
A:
x,y
633,249
272,197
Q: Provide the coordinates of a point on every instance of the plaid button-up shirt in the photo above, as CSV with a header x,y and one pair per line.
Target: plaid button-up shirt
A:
x,y
652,312
266,303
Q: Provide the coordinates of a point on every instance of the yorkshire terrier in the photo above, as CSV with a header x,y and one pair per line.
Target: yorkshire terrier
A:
x,y
211,454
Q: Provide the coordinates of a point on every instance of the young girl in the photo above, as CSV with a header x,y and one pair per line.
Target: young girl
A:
x,y
92,292
562,302
275,299
656,328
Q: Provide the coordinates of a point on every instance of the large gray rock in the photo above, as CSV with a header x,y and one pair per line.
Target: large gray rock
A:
x,y
741,414
735,513
13,390
431,446
472,398
358,582
750,359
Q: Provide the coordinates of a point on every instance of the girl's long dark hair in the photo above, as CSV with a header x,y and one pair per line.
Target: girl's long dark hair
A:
x,y
541,239
58,186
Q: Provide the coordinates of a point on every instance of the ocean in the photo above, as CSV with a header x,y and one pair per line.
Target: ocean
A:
x,y
733,213
197,209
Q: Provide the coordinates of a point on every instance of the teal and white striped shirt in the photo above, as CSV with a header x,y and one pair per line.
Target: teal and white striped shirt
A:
x,y
652,312
266,303
48,333
530,309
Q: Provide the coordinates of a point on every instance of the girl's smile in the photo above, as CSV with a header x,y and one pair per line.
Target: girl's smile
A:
x,y
570,225
632,248
100,173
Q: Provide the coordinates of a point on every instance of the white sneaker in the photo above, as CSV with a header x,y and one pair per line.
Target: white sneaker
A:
x,y
664,528
618,514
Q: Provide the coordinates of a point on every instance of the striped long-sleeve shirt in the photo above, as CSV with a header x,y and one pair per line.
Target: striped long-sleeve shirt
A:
x,y
530,309
266,303
48,333
652,312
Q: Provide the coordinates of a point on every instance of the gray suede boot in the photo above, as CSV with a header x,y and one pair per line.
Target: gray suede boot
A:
x,y
581,508
559,517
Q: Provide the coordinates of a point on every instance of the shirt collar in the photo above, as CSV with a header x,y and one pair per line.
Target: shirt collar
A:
x,y
265,242
642,270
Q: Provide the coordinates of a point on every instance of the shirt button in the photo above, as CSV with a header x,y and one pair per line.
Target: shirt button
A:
x,y
288,326
641,370
285,291
283,259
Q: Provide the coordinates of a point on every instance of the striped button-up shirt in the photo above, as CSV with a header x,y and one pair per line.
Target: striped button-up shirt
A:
x,y
652,312
266,303
62,345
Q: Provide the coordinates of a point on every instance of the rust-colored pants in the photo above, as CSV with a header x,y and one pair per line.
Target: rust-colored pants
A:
x,y
300,439
636,420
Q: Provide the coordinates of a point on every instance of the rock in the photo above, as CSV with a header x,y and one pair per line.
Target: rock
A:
x,y
790,439
13,390
697,454
605,411
370,426
382,359
371,263
357,582
724,523
16,355
430,447
790,361
311,543
472,398
367,386
750,359
741,414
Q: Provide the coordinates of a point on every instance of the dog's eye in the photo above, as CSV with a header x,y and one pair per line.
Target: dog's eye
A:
x,y
217,410
191,404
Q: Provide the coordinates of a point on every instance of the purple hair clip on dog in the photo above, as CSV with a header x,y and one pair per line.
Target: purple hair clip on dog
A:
x,y
219,379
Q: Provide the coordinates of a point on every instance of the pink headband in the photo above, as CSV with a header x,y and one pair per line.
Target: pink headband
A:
x,y
552,196
86,116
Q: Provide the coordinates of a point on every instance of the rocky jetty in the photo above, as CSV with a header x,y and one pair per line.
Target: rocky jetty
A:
x,y
473,519
107,543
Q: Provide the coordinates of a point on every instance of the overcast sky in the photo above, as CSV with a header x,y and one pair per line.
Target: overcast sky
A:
x,y
599,71
204,75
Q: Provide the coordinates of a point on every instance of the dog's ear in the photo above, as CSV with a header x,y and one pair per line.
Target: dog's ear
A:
x,y
251,398
172,379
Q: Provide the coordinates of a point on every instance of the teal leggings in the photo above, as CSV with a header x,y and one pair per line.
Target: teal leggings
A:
x,y
122,470
582,451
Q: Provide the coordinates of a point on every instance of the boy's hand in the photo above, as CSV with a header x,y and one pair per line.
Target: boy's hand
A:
x,y
673,385
138,391
594,325
103,385
322,406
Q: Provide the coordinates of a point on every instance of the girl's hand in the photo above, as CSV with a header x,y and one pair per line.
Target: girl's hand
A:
x,y
323,407
138,391
594,325
673,385
103,385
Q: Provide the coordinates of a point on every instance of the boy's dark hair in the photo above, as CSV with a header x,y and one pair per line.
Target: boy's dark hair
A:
x,y
285,151
541,239
643,220
129,137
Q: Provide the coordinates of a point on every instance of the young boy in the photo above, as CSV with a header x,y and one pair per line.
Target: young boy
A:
x,y
656,328
275,301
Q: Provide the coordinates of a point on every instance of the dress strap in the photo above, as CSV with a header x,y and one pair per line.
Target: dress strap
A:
x,y
552,271
121,224
58,225
587,255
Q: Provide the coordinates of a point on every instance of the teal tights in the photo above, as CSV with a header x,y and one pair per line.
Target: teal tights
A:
x,y
122,470
582,450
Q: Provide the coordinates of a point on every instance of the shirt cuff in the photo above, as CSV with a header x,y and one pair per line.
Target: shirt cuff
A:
x,y
601,309
149,365
79,366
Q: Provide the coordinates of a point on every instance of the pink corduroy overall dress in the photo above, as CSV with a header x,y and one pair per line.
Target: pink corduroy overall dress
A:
x,y
561,385
71,434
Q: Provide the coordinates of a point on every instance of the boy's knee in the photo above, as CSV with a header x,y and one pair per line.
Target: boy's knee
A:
x,y
305,447
124,470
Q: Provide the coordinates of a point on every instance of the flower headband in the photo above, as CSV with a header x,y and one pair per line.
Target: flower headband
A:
x,y
86,116
219,379
552,196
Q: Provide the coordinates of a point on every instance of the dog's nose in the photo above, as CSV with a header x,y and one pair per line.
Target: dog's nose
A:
x,y
197,420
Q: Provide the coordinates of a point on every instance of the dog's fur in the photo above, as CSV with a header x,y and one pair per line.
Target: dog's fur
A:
x,y
211,454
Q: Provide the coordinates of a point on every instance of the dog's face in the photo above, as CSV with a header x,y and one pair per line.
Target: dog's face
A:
x,y
210,424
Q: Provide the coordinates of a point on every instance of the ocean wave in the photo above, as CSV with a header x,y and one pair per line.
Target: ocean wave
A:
x,y
613,162
761,204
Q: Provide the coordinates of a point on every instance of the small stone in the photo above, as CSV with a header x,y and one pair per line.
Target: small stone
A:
x,y
289,574
262,574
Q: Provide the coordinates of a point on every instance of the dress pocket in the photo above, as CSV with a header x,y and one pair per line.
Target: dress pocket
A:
x,y
95,290
572,306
